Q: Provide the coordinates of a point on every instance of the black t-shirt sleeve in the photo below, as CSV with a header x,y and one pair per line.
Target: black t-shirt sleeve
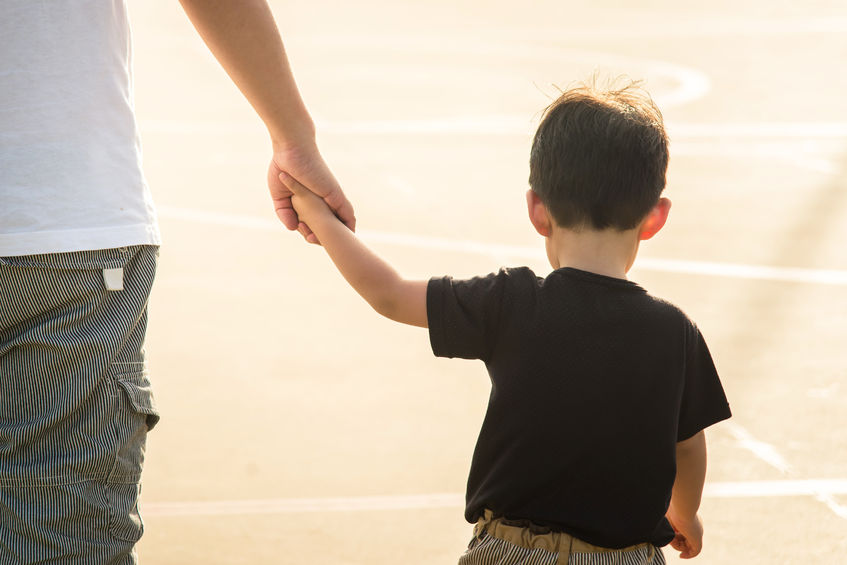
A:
x,y
463,315
703,399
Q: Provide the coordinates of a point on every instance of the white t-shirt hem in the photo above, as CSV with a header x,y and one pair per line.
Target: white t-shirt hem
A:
x,y
36,243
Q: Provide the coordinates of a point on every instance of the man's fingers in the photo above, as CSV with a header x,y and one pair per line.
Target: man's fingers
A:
x,y
308,234
288,217
345,213
342,208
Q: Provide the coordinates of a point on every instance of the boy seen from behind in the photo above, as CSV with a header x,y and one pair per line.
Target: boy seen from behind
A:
x,y
592,450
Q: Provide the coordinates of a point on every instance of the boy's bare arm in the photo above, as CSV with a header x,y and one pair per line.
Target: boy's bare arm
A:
x,y
687,493
375,280
243,37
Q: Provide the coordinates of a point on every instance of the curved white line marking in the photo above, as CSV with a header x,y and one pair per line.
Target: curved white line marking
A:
x,y
692,83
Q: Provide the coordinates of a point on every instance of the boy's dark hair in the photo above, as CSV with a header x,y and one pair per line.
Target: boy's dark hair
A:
x,y
599,157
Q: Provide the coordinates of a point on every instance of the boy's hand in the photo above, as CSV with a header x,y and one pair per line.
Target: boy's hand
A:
x,y
689,536
308,206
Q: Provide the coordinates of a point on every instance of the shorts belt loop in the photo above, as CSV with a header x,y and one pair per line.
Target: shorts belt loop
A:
x,y
565,553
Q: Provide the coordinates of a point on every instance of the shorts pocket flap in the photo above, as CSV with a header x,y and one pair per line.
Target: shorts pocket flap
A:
x,y
140,394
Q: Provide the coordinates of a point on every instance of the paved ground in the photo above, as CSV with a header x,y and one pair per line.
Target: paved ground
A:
x,y
299,427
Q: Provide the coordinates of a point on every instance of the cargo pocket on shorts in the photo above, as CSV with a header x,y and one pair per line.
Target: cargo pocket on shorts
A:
x,y
137,388
135,415
124,518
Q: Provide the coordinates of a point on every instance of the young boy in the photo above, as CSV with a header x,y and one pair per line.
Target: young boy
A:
x,y
592,450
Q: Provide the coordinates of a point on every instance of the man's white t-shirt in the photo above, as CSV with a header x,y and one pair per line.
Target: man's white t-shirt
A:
x,y
70,158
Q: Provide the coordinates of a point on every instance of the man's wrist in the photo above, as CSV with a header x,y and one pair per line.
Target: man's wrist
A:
x,y
302,140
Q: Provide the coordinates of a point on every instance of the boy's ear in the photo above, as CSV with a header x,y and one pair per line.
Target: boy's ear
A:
x,y
538,214
655,220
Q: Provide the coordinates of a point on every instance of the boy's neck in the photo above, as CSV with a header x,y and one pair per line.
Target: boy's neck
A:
x,y
604,252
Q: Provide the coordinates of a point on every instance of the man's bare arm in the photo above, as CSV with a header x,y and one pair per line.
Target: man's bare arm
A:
x,y
244,38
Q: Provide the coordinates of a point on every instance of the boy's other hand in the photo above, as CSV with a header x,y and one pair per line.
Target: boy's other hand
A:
x,y
308,166
689,536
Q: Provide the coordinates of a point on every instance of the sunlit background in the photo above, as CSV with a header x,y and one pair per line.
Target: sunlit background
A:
x,y
299,427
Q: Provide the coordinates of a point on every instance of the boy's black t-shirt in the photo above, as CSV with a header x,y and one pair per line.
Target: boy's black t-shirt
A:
x,y
593,382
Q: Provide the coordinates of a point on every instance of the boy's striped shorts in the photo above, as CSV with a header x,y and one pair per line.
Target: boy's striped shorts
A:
x,y
75,404
498,542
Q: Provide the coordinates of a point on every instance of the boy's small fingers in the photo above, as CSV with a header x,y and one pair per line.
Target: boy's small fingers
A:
x,y
289,182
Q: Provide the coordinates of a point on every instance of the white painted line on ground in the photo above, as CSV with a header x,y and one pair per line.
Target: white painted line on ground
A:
x,y
817,155
757,489
759,129
466,125
744,489
763,451
701,27
822,490
827,498
739,271
400,184
509,125
298,505
727,270
515,125
800,143
219,218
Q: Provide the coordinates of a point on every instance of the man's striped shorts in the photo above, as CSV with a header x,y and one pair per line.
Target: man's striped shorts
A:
x,y
499,542
75,404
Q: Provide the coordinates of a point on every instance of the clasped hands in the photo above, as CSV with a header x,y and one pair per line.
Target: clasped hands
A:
x,y
307,166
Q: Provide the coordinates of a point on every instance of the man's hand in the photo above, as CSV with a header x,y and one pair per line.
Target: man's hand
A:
x,y
244,38
689,536
308,167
